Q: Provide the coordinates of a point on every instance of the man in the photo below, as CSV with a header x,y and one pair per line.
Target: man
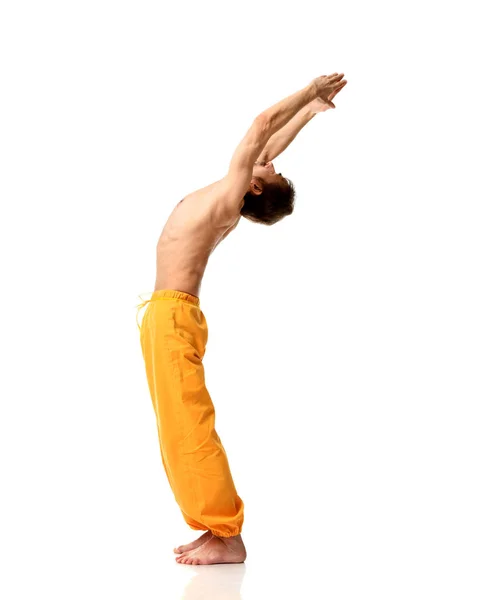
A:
x,y
173,332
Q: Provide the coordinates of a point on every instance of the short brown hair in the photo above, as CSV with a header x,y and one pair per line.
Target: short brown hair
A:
x,y
273,204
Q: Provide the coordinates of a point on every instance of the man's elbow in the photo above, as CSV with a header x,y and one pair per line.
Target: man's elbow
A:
x,y
262,122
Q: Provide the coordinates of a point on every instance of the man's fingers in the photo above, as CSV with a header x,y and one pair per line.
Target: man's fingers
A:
x,y
338,87
334,83
337,90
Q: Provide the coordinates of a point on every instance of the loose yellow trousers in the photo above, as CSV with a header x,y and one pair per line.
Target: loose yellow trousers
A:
x,y
173,336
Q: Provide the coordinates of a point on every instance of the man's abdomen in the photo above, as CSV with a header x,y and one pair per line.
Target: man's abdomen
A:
x,y
181,266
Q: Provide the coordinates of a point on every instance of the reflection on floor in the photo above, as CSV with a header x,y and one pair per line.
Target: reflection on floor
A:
x,y
217,582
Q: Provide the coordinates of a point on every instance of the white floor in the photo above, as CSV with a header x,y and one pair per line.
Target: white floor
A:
x,y
387,560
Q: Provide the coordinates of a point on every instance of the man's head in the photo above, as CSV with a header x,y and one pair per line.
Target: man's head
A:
x,y
270,196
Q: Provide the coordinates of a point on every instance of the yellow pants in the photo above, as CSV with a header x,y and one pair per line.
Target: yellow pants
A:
x,y
173,336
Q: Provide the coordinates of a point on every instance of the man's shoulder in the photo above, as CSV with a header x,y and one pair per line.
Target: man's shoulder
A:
x,y
208,206
217,201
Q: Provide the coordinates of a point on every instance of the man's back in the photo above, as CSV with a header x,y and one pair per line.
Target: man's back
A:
x,y
196,226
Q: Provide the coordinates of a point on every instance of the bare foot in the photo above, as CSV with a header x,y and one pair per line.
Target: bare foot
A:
x,y
195,544
214,551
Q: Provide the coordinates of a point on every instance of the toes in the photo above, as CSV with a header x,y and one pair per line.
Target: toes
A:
x,y
178,550
186,559
183,559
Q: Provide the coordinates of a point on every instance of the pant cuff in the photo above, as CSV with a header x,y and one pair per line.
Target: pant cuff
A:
x,y
224,534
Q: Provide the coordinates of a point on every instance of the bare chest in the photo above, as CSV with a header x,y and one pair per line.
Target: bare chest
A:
x,y
194,229
193,222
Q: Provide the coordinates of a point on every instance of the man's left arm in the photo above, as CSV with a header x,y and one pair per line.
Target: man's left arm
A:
x,y
281,140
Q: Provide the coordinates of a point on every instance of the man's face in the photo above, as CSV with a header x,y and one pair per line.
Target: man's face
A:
x,y
267,173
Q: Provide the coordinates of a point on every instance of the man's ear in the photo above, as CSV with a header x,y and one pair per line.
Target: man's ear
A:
x,y
256,187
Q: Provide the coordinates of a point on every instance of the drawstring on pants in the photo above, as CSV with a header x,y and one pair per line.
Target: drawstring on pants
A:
x,y
139,308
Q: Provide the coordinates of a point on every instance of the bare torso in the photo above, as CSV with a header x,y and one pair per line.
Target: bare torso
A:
x,y
193,230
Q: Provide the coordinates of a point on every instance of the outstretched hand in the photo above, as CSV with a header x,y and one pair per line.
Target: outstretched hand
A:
x,y
327,87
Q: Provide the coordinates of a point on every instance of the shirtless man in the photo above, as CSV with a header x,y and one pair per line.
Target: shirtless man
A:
x,y
173,333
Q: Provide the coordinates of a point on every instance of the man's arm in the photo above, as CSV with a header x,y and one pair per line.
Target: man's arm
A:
x,y
236,182
282,139
265,126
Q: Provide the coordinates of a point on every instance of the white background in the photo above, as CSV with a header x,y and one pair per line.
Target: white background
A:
x,y
352,354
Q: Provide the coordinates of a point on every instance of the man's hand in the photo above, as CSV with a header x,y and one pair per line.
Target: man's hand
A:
x,y
318,105
326,88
